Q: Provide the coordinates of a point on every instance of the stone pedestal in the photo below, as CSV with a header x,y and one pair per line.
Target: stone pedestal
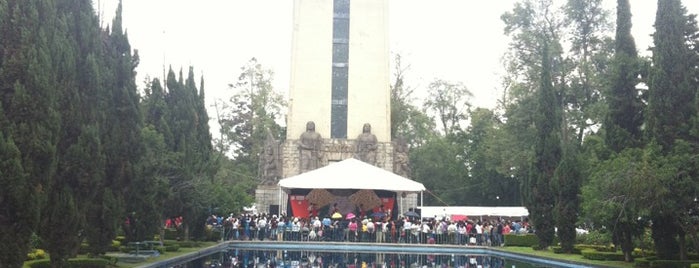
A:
x,y
266,195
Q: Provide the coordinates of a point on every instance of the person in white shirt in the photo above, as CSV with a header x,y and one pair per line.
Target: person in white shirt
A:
x,y
262,227
479,233
407,227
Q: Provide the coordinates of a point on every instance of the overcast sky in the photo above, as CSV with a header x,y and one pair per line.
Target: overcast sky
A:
x,y
454,40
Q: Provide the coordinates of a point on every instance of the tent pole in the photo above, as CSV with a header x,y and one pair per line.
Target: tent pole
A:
x,y
421,200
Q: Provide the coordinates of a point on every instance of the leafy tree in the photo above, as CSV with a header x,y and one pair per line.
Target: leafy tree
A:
x,y
612,196
585,66
486,184
439,164
252,111
449,102
407,120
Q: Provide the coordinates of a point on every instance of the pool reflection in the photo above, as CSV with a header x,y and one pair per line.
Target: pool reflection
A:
x,y
309,259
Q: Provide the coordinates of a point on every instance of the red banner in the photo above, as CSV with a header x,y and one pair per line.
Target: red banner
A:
x,y
299,206
387,205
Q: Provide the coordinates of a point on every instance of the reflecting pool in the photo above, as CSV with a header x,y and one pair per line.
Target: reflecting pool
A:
x,y
256,258
261,254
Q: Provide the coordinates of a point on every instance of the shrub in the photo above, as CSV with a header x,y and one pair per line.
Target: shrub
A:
x,y
116,244
594,237
36,254
694,265
527,240
120,238
172,234
172,248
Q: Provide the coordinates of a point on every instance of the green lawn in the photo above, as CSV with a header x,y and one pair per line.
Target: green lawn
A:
x,y
566,257
168,255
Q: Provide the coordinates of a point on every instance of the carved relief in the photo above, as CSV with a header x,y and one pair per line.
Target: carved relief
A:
x,y
401,162
270,168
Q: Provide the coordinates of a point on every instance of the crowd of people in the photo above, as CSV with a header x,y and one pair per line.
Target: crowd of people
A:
x,y
434,230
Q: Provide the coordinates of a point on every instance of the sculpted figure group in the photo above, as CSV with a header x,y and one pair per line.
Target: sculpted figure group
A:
x,y
310,146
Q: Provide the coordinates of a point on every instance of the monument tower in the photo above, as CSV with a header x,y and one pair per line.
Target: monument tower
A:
x,y
339,94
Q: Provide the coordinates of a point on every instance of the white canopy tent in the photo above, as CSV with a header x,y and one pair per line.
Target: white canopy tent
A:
x,y
351,174
437,211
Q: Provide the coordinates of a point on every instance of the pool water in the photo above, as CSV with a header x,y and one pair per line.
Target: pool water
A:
x,y
255,258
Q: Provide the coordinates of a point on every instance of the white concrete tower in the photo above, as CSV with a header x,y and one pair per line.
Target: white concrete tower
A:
x,y
340,69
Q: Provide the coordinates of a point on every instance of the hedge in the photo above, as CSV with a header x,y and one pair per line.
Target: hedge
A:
x,y
670,264
592,254
73,263
527,240
172,234
559,250
168,248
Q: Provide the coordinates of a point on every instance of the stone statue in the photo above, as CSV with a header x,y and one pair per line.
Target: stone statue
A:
x,y
401,163
367,144
270,167
310,148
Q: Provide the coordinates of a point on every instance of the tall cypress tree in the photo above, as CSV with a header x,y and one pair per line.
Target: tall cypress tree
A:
x,y
671,97
122,125
671,107
190,151
29,105
547,120
566,183
78,182
625,117
17,195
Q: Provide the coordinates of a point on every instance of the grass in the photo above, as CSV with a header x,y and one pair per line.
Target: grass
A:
x,y
168,255
566,257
